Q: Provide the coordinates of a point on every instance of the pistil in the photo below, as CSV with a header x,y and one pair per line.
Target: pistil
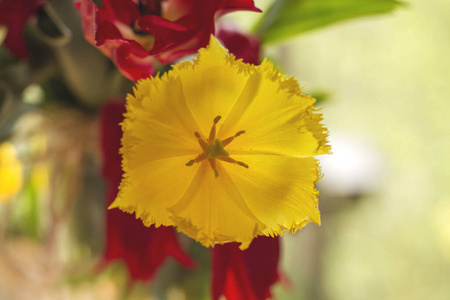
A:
x,y
214,148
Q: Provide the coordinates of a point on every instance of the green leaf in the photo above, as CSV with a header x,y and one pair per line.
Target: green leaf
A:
x,y
287,18
26,212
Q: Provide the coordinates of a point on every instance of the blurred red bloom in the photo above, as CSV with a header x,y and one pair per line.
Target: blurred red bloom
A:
x,y
242,45
134,32
247,274
142,249
14,14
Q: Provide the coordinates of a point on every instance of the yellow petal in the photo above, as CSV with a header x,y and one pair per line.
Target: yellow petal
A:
x,y
278,190
277,118
158,123
213,211
149,189
212,85
157,140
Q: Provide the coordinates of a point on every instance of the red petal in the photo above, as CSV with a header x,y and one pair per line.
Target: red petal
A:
x,y
99,29
187,28
187,33
127,55
244,46
241,4
125,11
233,5
248,274
166,33
105,29
111,134
14,14
15,42
142,249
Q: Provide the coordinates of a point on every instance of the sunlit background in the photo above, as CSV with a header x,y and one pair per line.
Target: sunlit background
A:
x,y
383,85
385,196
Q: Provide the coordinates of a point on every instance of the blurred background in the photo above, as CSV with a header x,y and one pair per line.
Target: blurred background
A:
x,y
382,83
385,195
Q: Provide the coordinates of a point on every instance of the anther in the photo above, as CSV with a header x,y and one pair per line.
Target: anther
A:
x,y
197,135
212,134
190,163
239,133
242,164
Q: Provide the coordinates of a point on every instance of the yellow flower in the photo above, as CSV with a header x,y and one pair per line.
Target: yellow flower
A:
x,y
10,172
222,150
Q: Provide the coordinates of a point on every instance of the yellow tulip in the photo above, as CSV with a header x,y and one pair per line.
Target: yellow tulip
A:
x,y
222,150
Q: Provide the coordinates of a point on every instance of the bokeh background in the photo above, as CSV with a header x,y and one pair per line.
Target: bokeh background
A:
x,y
385,196
383,85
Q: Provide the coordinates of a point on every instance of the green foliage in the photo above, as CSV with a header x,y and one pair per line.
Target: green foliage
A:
x,y
287,18
26,212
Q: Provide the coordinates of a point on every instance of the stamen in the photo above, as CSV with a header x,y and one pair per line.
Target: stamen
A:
x,y
201,157
202,142
212,133
233,161
212,163
231,138
228,159
198,159
239,133
242,164
214,148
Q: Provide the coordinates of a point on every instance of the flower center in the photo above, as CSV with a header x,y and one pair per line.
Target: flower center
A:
x,y
215,149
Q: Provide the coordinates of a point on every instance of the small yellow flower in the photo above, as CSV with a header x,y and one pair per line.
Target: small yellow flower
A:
x,y
10,172
222,150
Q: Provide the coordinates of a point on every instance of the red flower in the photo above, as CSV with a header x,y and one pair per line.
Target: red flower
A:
x,y
142,249
248,274
128,31
14,14
242,45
